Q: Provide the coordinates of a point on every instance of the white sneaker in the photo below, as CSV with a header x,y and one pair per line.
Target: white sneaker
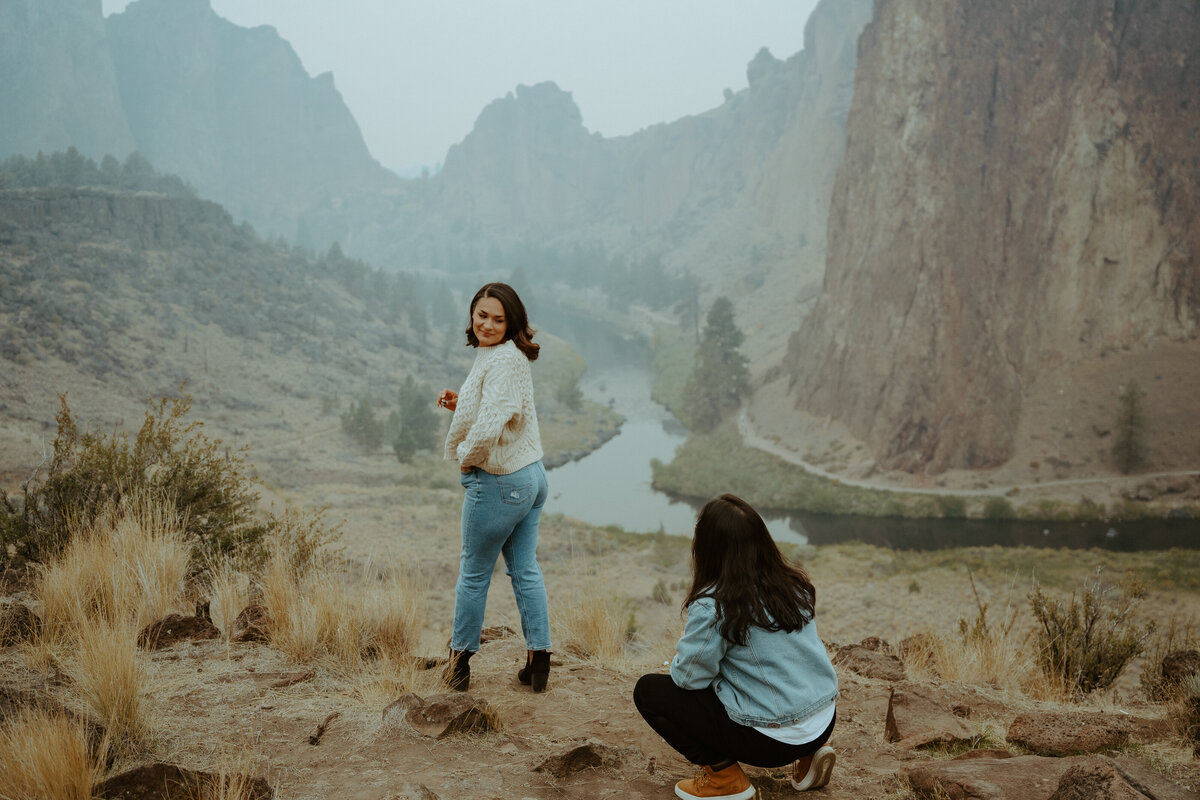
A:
x,y
819,770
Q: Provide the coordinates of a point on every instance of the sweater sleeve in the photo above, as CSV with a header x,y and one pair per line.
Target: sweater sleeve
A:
x,y
499,403
699,652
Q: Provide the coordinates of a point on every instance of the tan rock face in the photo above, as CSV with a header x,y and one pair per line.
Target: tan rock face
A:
x,y
1018,196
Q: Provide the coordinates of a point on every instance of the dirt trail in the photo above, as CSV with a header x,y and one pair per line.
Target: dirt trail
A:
x,y
753,439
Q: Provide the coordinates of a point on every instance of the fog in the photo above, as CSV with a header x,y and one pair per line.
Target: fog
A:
x,y
416,75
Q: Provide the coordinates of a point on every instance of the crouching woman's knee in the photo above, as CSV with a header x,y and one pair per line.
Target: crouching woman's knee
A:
x,y
651,690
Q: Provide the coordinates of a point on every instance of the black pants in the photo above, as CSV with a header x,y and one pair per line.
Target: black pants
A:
x,y
697,726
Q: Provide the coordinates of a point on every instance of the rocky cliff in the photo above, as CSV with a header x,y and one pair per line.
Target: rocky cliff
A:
x,y
59,88
1017,208
232,111
229,109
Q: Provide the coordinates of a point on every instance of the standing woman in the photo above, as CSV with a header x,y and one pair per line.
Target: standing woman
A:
x,y
494,437
751,681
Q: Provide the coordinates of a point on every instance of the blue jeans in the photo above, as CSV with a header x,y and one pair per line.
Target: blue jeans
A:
x,y
500,517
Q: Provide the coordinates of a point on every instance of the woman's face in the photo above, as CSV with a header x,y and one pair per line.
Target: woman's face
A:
x,y
488,322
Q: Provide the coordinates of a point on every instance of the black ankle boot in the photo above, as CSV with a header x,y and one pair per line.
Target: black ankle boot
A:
x,y
536,671
458,670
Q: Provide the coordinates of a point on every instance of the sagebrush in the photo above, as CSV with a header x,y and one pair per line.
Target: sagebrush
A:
x,y
209,485
1087,641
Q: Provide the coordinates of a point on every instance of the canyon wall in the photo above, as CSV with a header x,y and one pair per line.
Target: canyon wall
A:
x,y
1019,198
59,87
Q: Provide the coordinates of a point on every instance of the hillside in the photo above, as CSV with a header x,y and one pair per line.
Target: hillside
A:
x,y
114,297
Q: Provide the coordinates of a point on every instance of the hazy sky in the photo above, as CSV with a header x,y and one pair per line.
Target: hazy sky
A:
x,y
416,74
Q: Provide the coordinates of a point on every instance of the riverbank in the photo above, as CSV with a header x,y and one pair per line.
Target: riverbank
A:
x,y
829,472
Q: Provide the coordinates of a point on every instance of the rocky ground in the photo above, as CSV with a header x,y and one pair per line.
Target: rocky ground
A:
x,y
245,706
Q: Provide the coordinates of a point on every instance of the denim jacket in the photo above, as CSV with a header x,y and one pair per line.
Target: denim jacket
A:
x,y
775,680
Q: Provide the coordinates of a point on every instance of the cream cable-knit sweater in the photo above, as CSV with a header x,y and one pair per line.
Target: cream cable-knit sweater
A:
x,y
495,424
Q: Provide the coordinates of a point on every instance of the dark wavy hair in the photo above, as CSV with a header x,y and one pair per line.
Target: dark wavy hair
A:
x,y
736,562
514,316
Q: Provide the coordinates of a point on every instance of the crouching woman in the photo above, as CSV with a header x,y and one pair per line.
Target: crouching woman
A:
x,y
750,681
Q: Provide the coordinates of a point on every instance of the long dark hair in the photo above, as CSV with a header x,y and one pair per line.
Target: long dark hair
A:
x,y
514,317
736,562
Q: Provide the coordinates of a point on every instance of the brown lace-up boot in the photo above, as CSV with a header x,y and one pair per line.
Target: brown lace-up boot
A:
x,y
727,784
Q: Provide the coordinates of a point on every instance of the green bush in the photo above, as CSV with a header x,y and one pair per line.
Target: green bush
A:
x,y
1087,643
998,508
952,506
361,425
208,484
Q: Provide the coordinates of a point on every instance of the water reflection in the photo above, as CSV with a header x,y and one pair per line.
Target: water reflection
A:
x,y
611,486
937,534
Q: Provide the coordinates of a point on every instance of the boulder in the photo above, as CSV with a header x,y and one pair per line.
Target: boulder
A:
x,y
18,623
1064,733
591,754
441,715
870,662
1177,667
1100,778
916,721
175,628
13,581
253,624
171,782
494,632
1024,777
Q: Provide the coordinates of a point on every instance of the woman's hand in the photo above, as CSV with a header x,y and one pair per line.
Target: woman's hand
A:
x,y
447,399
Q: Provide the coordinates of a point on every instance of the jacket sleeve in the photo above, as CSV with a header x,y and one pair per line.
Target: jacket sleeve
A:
x,y
498,404
700,650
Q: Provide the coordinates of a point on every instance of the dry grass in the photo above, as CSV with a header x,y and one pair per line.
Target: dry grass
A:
x,y
1177,633
112,681
1183,711
115,576
992,652
594,626
45,756
229,593
998,658
317,614
381,681
231,779
127,566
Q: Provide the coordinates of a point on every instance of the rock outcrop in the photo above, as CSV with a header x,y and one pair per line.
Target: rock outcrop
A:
x,y
59,88
232,111
1018,200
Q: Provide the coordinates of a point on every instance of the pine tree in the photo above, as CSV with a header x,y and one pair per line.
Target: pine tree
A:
x,y
1129,450
721,376
361,424
417,424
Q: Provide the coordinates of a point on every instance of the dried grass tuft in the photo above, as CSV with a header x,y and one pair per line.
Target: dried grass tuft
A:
x,y
45,755
111,679
594,627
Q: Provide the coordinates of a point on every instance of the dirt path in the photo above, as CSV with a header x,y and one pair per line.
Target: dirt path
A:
x,y
753,439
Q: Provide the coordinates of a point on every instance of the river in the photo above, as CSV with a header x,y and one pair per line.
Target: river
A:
x,y
611,486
